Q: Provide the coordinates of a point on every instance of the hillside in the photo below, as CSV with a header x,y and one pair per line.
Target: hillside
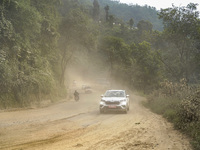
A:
x,y
125,12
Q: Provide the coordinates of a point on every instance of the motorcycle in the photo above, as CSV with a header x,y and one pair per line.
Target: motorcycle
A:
x,y
76,97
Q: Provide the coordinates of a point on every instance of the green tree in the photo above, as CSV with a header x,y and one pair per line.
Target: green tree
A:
x,y
116,53
96,10
131,23
144,26
181,26
111,20
26,66
146,69
106,8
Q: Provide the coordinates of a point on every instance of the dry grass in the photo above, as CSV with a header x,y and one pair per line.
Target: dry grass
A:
x,y
180,104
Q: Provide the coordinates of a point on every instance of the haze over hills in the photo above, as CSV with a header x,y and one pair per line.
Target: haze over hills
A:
x,y
125,12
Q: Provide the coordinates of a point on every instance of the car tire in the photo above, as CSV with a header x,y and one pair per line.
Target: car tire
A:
x,y
126,111
101,111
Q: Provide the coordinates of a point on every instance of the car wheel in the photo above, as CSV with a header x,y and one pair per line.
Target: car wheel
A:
x,y
101,111
126,111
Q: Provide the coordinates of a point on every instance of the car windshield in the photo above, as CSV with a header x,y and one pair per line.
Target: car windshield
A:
x,y
114,94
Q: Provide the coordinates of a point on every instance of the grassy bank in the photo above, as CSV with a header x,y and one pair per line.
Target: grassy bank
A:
x,y
8,101
184,113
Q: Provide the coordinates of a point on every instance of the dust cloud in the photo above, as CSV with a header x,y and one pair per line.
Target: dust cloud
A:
x,y
71,125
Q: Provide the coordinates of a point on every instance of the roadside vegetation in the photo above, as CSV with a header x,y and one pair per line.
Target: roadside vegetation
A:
x,y
179,104
158,55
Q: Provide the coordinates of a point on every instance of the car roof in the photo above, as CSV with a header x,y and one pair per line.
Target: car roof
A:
x,y
116,90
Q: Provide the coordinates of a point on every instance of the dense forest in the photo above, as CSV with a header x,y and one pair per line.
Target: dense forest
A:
x,y
157,53
122,12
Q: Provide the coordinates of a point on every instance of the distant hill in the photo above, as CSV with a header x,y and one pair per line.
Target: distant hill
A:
x,y
125,12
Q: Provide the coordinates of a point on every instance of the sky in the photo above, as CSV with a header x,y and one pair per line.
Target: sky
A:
x,y
158,4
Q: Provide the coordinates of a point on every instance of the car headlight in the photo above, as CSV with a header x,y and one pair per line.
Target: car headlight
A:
x,y
103,100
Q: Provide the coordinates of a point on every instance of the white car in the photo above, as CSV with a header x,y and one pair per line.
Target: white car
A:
x,y
114,100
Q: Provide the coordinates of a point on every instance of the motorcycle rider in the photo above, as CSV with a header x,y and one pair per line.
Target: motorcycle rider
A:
x,y
76,95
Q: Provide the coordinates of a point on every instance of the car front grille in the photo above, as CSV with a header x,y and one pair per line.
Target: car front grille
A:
x,y
112,103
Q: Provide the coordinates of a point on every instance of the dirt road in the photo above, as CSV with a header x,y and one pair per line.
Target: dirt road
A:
x,y
79,126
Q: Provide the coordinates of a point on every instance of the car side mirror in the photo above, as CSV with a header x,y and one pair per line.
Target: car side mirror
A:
x,y
101,95
127,95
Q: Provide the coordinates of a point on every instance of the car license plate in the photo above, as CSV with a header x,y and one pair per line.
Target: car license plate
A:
x,y
112,106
